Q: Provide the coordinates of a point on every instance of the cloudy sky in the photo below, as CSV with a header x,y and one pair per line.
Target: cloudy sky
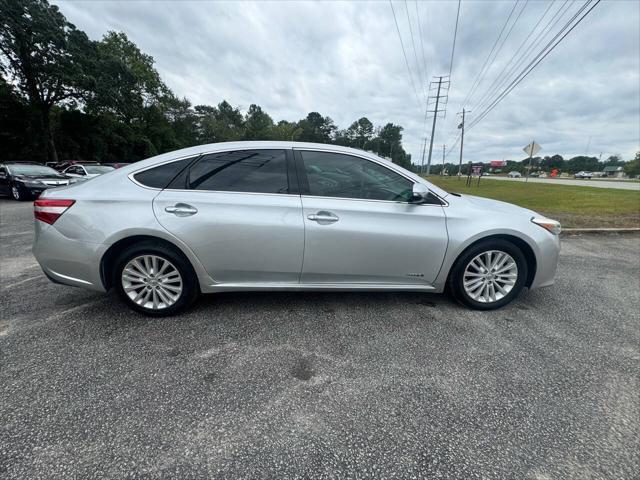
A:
x,y
344,60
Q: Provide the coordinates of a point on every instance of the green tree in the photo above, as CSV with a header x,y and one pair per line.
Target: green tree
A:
x,y
285,131
125,79
388,143
45,56
360,132
316,128
257,124
632,167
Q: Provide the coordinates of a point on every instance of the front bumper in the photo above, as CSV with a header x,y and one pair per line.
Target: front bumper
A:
x,y
547,260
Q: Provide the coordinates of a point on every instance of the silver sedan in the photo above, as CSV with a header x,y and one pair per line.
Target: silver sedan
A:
x,y
285,216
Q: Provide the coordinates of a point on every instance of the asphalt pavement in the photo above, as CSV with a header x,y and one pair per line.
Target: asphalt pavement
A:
x,y
323,385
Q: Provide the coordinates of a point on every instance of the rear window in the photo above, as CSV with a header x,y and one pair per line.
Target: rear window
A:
x,y
161,176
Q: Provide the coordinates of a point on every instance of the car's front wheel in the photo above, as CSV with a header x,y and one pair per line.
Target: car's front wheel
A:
x,y
489,274
155,280
17,192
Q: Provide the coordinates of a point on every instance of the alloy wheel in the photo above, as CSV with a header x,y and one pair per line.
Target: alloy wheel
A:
x,y
152,282
15,191
490,276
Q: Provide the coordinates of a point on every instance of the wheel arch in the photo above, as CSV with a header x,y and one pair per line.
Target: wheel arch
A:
x,y
108,260
526,249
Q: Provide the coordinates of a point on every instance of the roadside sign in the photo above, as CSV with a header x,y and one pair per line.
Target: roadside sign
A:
x,y
532,149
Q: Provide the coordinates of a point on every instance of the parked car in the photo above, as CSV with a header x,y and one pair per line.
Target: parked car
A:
x,y
116,165
583,175
60,166
244,215
87,171
514,174
26,180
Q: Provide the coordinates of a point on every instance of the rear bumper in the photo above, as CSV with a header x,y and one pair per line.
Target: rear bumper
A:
x,y
68,261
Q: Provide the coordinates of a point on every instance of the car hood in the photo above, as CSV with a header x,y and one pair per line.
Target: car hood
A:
x,y
497,205
42,177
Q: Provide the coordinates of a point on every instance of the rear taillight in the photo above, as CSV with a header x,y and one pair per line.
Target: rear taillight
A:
x,y
48,210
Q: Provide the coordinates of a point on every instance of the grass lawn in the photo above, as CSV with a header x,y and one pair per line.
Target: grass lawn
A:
x,y
572,206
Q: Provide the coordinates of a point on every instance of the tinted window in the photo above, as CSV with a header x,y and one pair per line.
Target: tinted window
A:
x,y
160,177
258,171
337,175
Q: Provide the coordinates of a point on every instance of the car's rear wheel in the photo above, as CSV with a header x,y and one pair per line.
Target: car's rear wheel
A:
x,y
155,280
489,274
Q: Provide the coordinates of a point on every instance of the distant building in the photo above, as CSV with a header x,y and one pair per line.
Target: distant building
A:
x,y
614,172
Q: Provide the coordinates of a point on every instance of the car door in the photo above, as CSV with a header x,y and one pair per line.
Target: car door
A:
x,y
239,215
360,227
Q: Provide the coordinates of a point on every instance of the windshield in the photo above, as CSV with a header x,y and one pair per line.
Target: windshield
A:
x,y
98,169
31,170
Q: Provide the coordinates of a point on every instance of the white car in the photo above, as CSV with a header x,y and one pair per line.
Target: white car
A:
x,y
86,171
583,175
514,174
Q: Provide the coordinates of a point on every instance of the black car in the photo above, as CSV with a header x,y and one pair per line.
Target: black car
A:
x,y
23,181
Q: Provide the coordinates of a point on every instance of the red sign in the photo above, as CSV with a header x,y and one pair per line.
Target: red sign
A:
x,y
497,163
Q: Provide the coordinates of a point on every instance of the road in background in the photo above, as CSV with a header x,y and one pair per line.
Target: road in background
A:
x,y
620,185
322,385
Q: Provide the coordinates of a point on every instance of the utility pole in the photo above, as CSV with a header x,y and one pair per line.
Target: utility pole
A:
x,y
441,84
444,148
424,147
461,126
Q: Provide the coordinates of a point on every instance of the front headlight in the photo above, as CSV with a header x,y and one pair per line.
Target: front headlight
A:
x,y
552,226
33,183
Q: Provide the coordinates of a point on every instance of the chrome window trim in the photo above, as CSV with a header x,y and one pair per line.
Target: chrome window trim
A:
x,y
444,203
197,155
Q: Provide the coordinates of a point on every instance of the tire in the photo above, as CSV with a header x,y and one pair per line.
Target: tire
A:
x,y
18,193
152,294
483,291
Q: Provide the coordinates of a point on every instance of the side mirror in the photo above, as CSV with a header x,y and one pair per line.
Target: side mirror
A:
x,y
419,194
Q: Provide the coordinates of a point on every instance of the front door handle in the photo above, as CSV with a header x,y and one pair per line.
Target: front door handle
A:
x,y
182,210
323,217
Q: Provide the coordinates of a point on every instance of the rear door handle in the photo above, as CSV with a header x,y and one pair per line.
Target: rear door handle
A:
x,y
323,217
182,210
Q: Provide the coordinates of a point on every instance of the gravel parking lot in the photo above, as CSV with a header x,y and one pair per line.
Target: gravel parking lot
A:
x,y
323,385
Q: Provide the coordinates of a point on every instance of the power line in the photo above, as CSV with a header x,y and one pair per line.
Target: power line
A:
x,y
518,78
495,44
504,40
424,58
415,50
455,34
536,61
501,79
404,53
